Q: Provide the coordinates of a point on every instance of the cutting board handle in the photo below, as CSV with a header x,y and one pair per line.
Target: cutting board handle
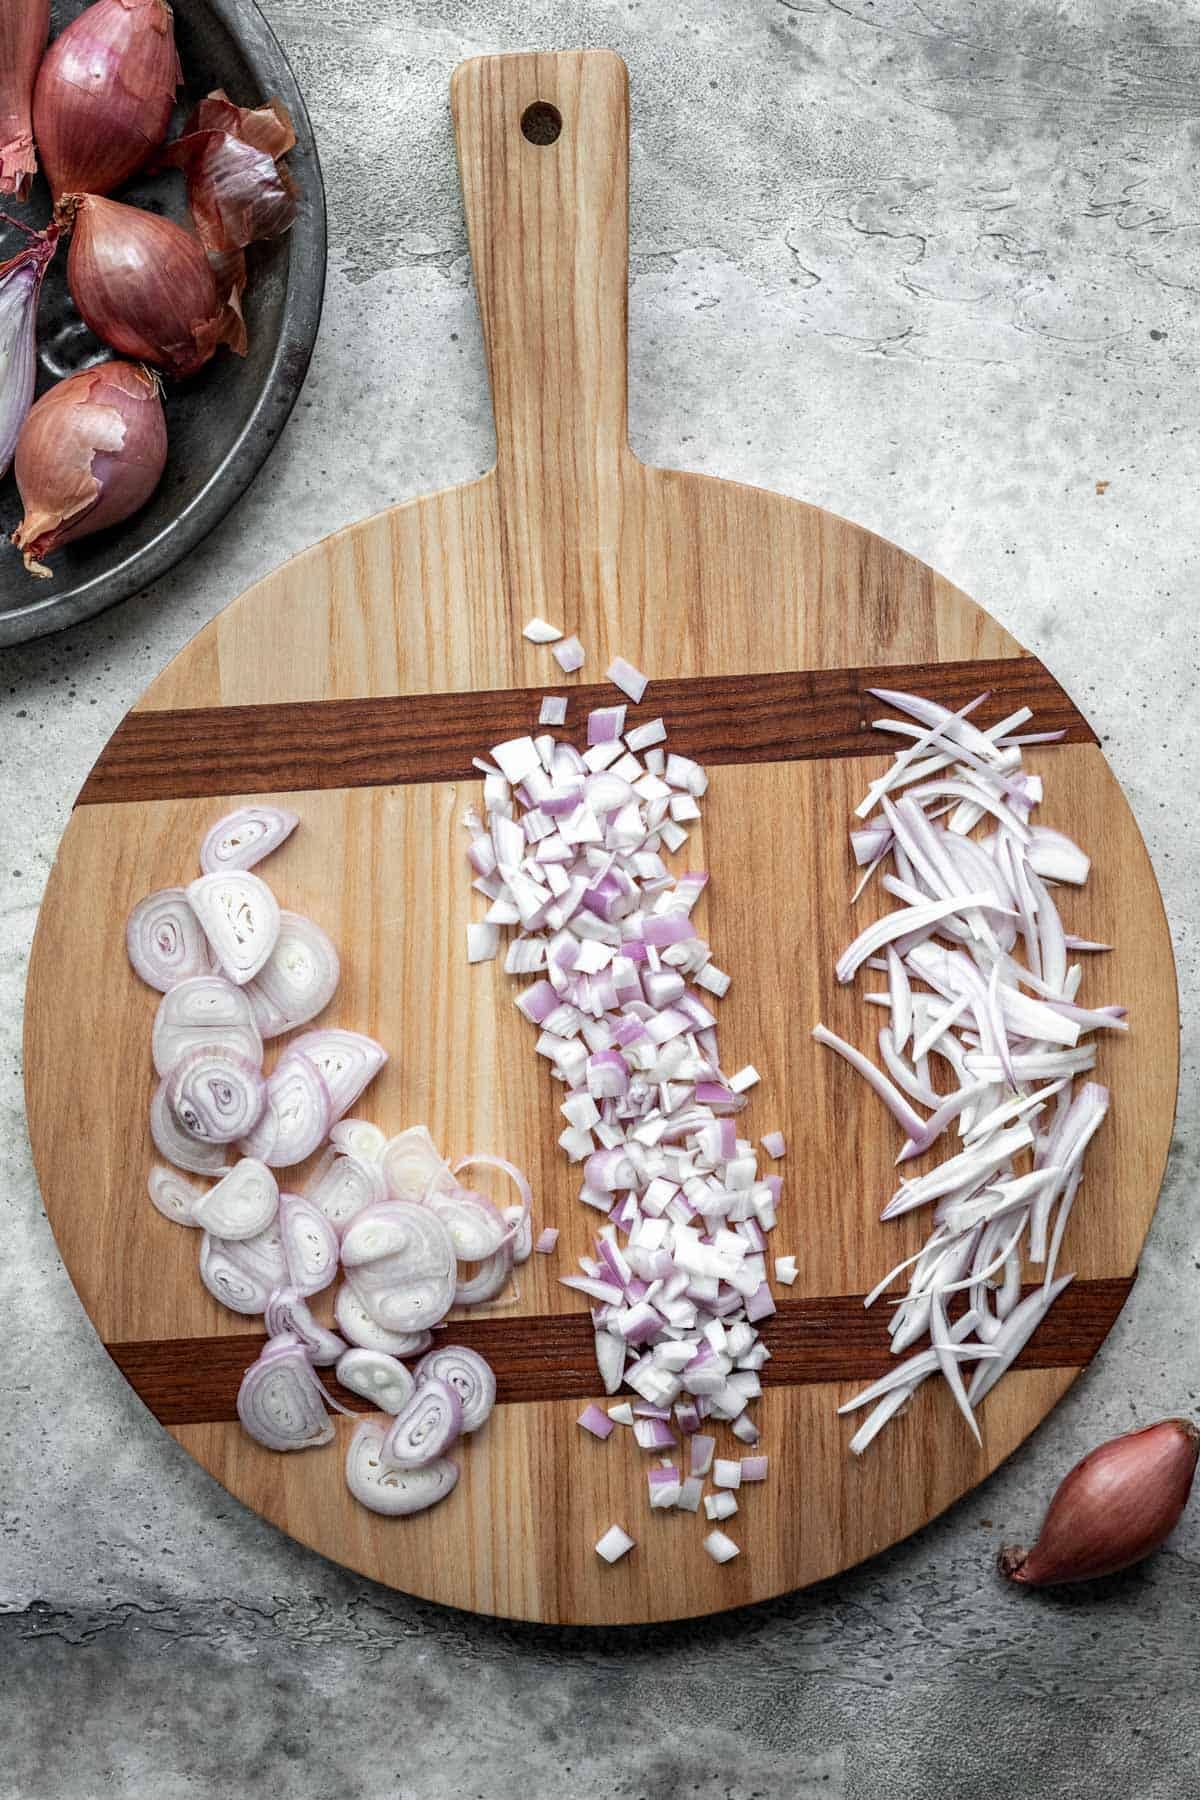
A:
x,y
543,152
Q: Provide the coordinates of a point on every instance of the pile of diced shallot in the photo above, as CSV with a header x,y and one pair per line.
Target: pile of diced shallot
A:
x,y
572,855
981,985
389,1215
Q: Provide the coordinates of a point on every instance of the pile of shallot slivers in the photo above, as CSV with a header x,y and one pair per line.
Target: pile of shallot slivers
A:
x,y
979,977
388,1214
572,854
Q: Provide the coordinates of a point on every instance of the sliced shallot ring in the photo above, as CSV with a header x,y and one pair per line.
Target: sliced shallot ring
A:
x,y
347,1060
356,1323
242,1203
343,1186
240,916
280,1402
411,1162
205,1009
469,1375
298,979
358,1137
174,1197
164,940
476,1229
425,1427
485,1161
243,837
310,1244
287,1310
487,1281
200,1156
243,1274
522,1247
378,1377
393,1492
400,1261
296,1116
215,1093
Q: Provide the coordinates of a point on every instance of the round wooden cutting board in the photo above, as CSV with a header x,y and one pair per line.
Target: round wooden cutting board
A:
x,y
354,686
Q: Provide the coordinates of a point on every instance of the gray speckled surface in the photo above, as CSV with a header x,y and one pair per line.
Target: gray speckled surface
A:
x,y
934,266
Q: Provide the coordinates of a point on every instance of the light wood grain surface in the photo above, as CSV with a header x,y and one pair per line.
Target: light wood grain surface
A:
x,y
695,580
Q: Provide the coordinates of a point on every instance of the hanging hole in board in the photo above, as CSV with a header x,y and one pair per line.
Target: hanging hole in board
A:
x,y
541,122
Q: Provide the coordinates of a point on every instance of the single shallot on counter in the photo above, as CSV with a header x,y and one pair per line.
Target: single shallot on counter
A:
x,y
1114,1507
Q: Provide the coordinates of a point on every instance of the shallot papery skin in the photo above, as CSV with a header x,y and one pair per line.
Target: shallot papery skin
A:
x,y
145,285
104,93
24,25
1114,1507
90,453
238,188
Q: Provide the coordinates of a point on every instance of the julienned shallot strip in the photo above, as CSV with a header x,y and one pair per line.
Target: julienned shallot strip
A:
x,y
979,983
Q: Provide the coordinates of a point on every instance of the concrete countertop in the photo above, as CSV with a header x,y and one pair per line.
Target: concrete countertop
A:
x,y
933,264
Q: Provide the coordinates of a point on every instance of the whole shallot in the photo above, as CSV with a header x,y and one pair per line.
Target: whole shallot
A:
x,y
104,93
90,453
145,286
23,28
1114,1507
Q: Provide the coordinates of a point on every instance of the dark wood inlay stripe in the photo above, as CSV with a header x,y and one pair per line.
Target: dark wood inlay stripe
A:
x,y
204,752
194,1381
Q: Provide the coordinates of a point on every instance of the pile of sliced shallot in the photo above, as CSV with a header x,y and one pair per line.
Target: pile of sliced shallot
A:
x,y
982,988
572,856
97,105
387,1214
